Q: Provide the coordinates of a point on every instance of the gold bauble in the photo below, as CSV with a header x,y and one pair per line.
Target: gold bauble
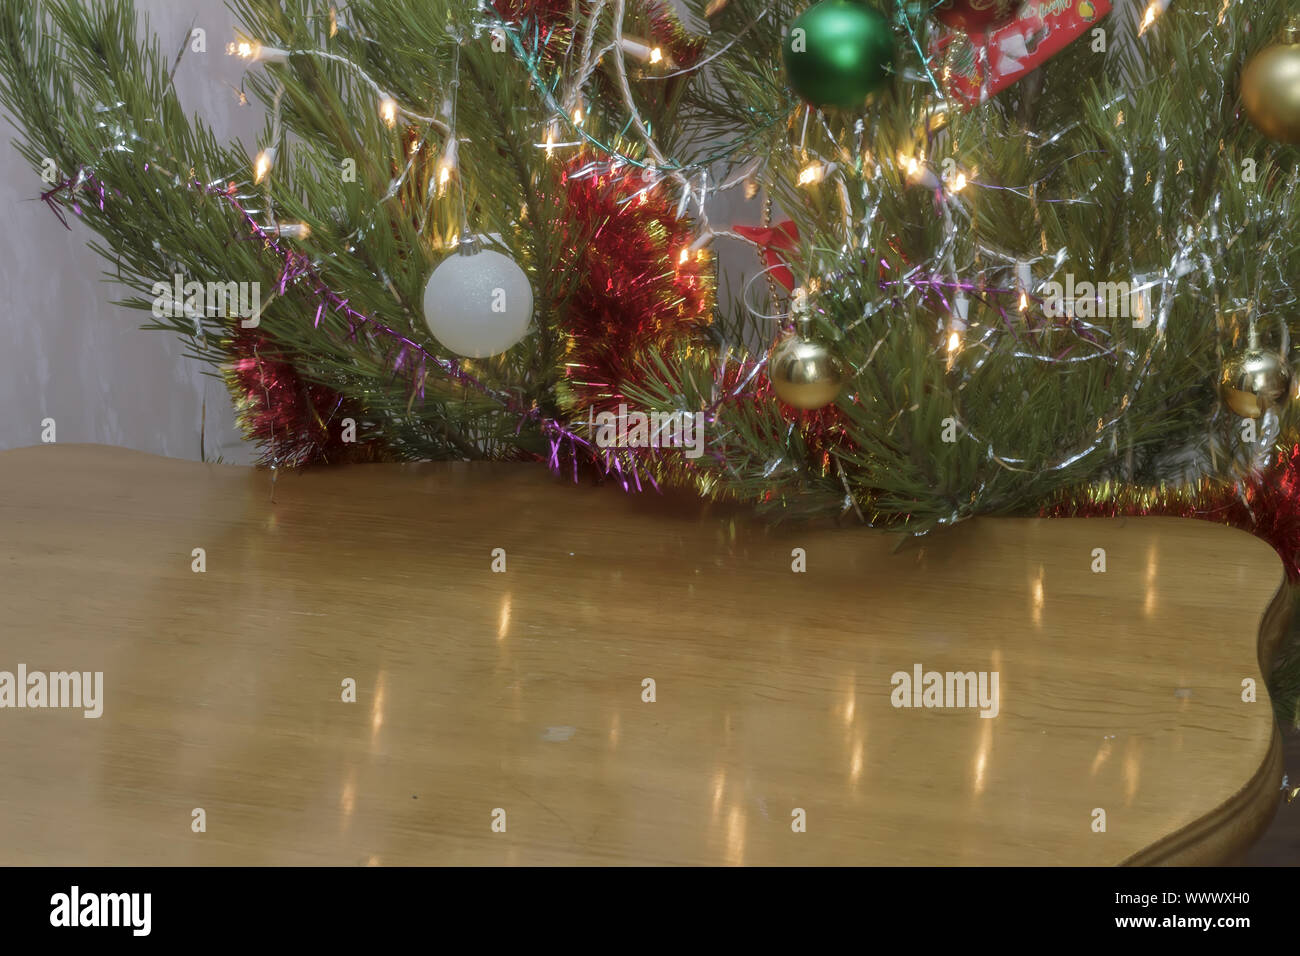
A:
x,y
805,374
1255,381
1270,88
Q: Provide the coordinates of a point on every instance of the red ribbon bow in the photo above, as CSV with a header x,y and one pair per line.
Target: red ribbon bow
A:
x,y
772,242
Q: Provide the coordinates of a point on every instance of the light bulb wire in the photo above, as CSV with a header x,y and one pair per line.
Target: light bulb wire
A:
x,y
466,235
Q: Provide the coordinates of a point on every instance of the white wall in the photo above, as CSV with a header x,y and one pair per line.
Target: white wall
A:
x,y
65,351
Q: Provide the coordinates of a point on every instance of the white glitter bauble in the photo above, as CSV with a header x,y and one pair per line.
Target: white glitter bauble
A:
x,y
478,303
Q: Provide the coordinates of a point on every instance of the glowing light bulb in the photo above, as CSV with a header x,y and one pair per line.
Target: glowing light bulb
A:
x,y
1141,308
1157,7
577,116
954,342
255,52
550,142
294,230
1024,301
685,257
448,165
816,172
958,183
262,166
641,51
388,111
911,166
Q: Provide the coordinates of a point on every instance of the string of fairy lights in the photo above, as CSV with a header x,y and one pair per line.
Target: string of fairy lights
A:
x,y
564,104
566,111
563,99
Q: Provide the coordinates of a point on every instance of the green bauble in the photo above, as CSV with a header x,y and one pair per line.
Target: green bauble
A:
x,y
837,52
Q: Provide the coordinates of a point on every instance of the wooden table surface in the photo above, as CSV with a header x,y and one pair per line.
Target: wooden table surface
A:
x,y
523,691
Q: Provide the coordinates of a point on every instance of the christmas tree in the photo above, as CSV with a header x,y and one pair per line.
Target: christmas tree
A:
x,y
1009,258
378,160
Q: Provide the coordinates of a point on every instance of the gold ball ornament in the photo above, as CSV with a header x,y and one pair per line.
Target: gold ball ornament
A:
x,y
804,373
1270,87
1255,381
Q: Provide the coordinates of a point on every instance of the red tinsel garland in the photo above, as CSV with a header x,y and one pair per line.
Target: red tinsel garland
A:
x,y
296,423
635,292
684,48
544,12
1267,505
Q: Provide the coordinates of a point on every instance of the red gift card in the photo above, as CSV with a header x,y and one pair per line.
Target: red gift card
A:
x,y
977,66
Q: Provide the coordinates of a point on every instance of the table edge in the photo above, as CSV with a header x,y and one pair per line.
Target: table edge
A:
x,y
1233,827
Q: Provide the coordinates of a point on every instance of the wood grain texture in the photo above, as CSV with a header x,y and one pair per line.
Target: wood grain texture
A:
x,y
523,690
